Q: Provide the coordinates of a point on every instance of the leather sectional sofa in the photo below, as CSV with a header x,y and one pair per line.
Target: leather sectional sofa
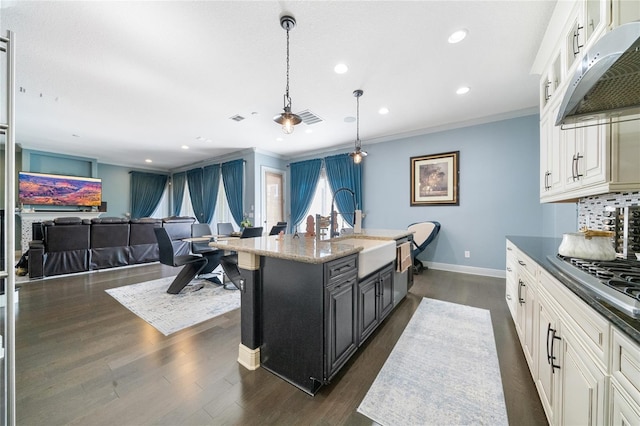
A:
x,y
71,244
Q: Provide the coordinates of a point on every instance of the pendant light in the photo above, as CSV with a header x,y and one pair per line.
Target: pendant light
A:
x,y
287,119
358,154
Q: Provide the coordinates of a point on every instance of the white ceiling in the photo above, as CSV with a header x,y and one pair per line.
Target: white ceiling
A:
x,y
125,81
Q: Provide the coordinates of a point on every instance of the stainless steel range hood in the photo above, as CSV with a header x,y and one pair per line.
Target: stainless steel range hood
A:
x,y
607,82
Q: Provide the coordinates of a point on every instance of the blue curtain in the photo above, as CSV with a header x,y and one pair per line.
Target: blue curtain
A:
x,y
304,179
342,172
178,180
233,181
210,185
194,179
146,193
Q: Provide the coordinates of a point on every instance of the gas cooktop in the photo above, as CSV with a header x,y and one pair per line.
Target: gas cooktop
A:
x,y
618,281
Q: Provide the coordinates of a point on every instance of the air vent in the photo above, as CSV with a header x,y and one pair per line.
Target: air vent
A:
x,y
309,118
237,118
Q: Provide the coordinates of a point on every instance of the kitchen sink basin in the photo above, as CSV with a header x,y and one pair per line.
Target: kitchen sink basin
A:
x,y
374,255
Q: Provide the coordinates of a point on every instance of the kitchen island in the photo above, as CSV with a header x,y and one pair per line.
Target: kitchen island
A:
x,y
304,309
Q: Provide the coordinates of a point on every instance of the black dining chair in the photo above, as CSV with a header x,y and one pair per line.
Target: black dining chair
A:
x,y
251,232
191,264
275,229
203,248
230,262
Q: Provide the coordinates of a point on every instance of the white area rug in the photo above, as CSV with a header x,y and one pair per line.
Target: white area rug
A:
x,y
169,313
442,371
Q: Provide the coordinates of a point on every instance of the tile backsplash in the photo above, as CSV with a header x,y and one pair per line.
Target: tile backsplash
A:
x,y
617,212
591,209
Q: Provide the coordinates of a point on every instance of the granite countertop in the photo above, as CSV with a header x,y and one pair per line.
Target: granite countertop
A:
x,y
538,248
302,249
377,234
305,249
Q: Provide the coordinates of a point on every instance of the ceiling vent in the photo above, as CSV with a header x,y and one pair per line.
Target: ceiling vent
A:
x,y
237,117
309,118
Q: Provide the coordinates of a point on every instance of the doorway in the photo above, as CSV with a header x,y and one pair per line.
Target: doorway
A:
x,y
273,200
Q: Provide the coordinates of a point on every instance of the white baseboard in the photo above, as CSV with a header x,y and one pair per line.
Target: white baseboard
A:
x,y
497,273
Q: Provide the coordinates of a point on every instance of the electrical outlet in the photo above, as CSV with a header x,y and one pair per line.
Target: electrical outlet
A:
x,y
467,253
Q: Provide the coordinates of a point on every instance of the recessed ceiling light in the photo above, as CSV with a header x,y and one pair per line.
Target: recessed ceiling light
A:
x,y
349,119
457,36
309,131
148,160
75,136
341,69
463,90
184,147
383,111
279,139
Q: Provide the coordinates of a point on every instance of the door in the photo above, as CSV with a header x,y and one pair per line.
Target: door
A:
x,y
273,198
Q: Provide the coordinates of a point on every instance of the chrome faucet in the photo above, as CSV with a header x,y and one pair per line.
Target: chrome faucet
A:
x,y
333,233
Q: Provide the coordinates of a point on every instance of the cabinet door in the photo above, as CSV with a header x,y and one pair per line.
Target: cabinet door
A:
x,y
341,322
550,154
547,357
583,385
367,307
593,146
385,291
530,327
623,411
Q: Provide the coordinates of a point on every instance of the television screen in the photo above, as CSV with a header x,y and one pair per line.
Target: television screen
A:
x,y
56,190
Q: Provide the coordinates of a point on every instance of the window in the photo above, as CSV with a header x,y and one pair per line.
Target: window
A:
x,y
222,213
321,203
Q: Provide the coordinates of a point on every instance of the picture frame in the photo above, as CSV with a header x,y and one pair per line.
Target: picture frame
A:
x,y
435,179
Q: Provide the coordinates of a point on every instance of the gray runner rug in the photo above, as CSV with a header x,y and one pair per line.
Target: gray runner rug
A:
x,y
197,302
442,371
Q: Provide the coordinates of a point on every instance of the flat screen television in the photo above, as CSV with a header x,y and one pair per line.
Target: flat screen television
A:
x,y
56,190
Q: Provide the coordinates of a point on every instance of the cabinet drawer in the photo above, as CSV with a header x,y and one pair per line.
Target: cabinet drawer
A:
x,y
590,327
528,265
338,268
625,365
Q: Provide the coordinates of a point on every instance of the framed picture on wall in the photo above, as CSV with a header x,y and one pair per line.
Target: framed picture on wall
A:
x,y
434,179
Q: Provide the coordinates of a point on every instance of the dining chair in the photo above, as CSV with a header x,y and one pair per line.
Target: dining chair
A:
x,y
225,229
191,264
251,232
230,261
203,248
275,229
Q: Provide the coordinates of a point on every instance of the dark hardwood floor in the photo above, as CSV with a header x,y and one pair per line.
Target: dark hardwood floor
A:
x,y
84,359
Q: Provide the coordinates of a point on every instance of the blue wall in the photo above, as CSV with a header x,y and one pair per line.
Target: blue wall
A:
x,y
116,189
499,192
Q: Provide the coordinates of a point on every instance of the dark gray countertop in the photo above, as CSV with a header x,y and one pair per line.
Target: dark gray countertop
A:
x,y
538,248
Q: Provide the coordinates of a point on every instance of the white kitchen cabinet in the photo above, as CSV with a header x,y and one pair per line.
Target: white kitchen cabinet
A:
x,y
546,379
586,371
625,368
589,160
585,152
571,383
511,288
551,181
583,384
623,411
